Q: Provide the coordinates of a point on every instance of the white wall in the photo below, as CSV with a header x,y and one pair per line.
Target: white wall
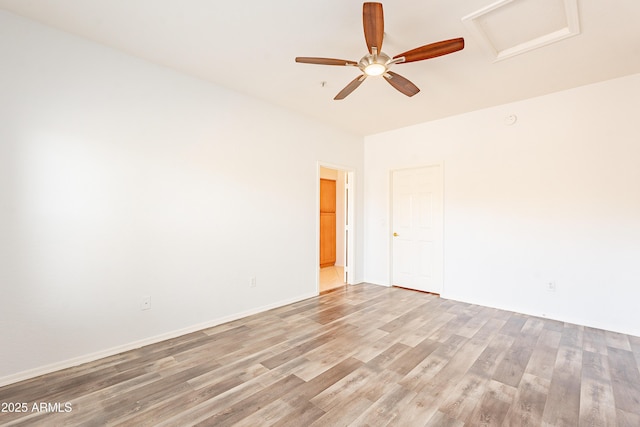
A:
x,y
120,178
552,198
326,173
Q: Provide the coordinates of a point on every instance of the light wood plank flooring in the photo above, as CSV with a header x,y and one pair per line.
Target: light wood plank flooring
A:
x,y
361,355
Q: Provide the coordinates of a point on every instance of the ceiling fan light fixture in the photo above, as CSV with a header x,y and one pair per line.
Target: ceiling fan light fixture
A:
x,y
375,69
374,65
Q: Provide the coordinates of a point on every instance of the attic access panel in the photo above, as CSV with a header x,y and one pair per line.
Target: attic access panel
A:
x,y
510,27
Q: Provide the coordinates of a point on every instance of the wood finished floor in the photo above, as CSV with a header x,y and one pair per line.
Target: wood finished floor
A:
x,y
362,355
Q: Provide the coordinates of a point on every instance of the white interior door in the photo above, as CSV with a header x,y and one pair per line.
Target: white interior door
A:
x,y
349,235
417,227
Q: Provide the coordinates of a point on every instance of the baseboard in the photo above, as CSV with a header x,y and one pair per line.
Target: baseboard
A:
x,y
69,363
555,316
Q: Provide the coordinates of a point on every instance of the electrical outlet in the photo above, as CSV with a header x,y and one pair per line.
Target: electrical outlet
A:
x,y
145,304
551,286
252,282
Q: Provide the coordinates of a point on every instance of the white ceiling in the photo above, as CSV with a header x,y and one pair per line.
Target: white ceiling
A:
x,y
250,47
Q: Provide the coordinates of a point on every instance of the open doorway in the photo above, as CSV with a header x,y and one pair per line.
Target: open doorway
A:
x,y
335,219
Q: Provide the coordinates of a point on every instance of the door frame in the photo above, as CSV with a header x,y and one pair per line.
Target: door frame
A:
x,y
440,165
349,225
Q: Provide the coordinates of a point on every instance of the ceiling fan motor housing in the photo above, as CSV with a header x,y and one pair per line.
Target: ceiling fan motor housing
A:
x,y
375,65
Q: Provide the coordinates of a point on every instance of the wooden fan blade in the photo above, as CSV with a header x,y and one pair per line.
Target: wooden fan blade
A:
x,y
324,61
432,50
401,83
373,23
350,87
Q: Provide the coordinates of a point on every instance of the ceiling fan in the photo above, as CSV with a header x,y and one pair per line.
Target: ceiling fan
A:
x,y
378,63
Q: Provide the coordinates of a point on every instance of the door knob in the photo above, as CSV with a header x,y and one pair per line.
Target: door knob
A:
x,y
395,234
